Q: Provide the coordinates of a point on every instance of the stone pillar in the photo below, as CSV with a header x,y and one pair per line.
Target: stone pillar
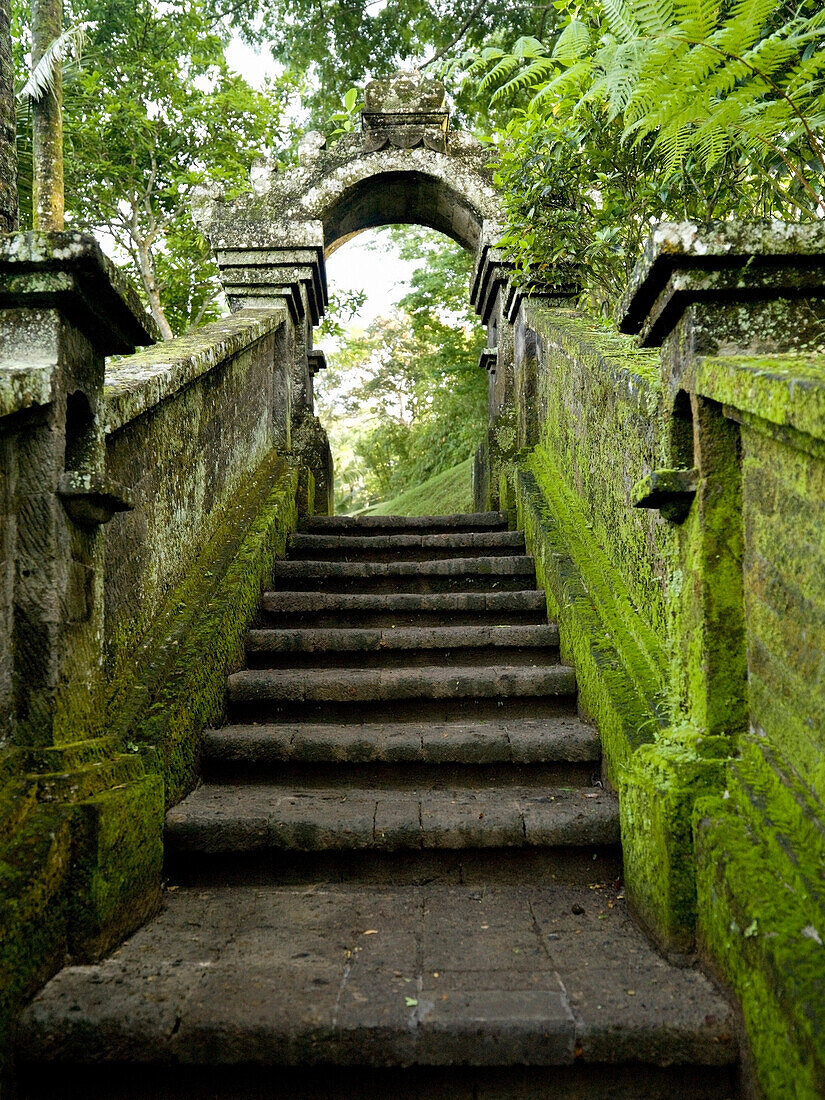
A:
x,y
511,363
281,264
723,289
720,290
488,285
63,308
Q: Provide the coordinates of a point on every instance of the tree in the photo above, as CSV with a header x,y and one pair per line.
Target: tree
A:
x,y
47,116
328,47
642,111
153,110
8,148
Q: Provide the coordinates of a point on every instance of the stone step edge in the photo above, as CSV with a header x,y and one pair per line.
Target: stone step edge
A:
x,y
487,566
256,817
366,639
531,599
468,540
446,522
547,741
422,682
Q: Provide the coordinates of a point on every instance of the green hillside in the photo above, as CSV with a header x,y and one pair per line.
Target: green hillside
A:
x,y
448,492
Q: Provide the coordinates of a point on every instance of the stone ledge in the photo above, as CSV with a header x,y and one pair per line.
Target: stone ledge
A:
x,y
68,270
722,261
137,383
788,391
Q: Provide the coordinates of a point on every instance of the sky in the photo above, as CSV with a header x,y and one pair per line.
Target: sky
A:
x,y
382,274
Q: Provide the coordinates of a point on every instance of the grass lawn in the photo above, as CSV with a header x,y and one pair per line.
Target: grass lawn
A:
x,y
445,494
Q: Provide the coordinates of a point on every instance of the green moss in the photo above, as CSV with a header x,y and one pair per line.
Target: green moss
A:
x,y
447,493
34,907
785,390
176,684
118,859
766,936
600,422
619,662
658,790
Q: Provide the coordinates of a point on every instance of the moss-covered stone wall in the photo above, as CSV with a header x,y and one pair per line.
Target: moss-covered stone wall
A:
x,y
192,430
598,414
595,401
698,646
183,458
761,843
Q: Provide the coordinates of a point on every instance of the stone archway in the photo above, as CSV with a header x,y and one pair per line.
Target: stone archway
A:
x,y
405,165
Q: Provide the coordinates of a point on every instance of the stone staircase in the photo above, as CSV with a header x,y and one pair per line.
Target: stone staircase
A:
x,y
401,875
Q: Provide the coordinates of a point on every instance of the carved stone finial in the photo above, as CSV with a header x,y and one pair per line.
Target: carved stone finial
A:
x,y
310,147
261,174
405,110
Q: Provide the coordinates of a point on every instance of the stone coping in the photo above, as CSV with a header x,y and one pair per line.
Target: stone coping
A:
x,y
713,246
786,390
112,310
138,382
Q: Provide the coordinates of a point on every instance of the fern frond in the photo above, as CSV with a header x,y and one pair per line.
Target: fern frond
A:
x,y
573,42
502,71
621,19
527,47
535,73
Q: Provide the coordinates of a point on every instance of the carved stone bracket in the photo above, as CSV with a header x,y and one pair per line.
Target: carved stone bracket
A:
x,y
488,360
92,499
670,492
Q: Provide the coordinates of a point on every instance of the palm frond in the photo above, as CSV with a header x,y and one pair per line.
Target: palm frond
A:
x,y
43,78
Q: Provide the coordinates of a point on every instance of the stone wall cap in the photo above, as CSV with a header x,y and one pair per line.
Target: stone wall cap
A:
x,y
137,383
713,246
98,298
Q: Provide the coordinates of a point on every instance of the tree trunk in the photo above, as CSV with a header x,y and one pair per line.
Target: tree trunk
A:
x,y
150,285
8,148
47,118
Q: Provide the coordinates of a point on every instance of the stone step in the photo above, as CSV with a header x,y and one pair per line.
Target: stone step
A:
x,y
444,574
349,685
248,817
525,740
410,547
331,609
393,775
603,1081
355,525
447,645
459,991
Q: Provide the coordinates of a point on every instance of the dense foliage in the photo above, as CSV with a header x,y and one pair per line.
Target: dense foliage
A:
x,y
648,109
150,112
326,48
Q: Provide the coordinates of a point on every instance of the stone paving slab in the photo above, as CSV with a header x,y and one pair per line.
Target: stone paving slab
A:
x,y
518,740
345,685
434,974
248,817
